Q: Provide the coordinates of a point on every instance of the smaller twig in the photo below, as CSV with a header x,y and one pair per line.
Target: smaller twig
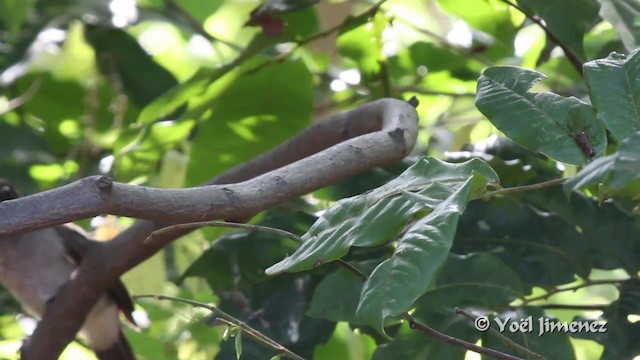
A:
x,y
199,224
195,24
505,340
523,188
573,58
298,44
587,283
22,99
414,324
230,320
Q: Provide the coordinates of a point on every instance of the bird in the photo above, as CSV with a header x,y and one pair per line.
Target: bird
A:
x,y
35,264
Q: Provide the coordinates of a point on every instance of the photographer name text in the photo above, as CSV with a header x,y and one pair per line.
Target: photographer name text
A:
x,y
542,325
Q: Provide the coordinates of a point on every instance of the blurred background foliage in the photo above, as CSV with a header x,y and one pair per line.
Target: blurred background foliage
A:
x,y
170,93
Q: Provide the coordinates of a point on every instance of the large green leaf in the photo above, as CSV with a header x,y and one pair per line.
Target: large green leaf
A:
x,y
377,217
565,129
246,115
623,15
618,173
392,287
615,92
568,20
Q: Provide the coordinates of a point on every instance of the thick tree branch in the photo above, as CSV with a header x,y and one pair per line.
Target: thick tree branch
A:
x,y
375,134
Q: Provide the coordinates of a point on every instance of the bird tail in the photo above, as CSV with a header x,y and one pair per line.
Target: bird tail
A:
x,y
120,350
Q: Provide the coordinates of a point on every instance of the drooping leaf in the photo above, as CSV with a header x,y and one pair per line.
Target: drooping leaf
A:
x,y
623,15
615,92
392,287
568,20
377,217
618,173
543,122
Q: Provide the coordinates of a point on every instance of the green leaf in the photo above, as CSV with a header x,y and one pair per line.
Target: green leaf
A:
x,y
623,15
182,93
396,283
568,20
543,122
615,92
238,345
478,279
377,217
618,173
363,44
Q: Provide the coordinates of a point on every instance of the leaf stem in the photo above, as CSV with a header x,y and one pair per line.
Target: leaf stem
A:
x,y
587,283
228,319
523,188
199,224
